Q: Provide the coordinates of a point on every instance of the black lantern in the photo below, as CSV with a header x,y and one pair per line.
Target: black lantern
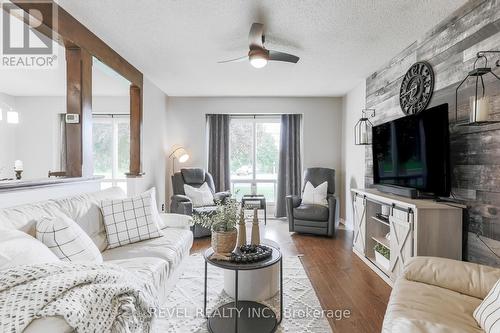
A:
x,y
479,103
363,128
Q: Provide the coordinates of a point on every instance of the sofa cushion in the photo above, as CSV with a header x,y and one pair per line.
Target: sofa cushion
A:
x,y
67,240
464,277
19,248
130,220
419,307
172,247
311,212
84,209
154,271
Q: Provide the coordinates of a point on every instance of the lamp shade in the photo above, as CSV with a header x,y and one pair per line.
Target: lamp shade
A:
x,y
180,154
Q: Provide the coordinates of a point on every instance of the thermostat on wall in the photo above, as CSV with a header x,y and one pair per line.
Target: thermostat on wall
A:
x,y
72,118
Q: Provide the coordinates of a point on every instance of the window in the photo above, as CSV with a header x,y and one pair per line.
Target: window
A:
x,y
111,149
254,155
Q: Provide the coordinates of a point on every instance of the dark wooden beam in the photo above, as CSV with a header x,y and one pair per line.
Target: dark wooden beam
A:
x,y
79,101
69,31
135,131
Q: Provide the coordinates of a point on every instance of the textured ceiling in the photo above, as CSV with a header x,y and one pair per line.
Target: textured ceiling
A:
x,y
177,43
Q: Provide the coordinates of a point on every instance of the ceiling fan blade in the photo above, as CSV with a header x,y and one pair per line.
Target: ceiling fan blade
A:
x,y
282,56
233,60
255,38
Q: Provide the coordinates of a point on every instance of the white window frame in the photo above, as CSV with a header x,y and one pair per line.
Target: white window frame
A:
x,y
114,120
255,119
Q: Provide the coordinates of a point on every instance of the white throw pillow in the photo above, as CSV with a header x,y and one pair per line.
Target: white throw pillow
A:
x,y
201,196
67,240
130,220
487,313
19,248
315,195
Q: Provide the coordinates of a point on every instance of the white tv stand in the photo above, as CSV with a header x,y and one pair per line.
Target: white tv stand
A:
x,y
417,228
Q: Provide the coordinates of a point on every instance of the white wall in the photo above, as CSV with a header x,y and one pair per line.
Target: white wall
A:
x,y
322,121
111,104
154,147
37,134
353,157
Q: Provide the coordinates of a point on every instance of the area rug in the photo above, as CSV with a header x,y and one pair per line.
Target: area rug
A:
x,y
183,310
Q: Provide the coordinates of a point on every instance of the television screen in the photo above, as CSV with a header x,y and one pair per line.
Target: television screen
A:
x,y
413,152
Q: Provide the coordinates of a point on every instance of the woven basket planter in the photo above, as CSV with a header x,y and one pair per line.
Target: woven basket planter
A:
x,y
224,242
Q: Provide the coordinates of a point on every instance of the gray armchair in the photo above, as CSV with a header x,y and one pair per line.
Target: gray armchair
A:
x,y
181,204
314,219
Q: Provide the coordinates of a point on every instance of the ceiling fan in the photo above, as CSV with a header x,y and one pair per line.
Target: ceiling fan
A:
x,y
258,55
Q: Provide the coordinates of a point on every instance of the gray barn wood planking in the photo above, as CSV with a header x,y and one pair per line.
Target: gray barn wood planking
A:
x,y
450,48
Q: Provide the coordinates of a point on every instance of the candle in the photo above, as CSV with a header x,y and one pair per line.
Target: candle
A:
x,y
18,165
482,112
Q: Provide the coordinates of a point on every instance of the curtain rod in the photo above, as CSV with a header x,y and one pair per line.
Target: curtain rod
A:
x,y
249,115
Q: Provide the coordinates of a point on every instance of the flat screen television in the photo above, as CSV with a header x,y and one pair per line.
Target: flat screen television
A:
x,y
413,152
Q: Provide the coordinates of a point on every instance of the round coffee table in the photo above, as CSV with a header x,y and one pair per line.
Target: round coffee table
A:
x,y
243,316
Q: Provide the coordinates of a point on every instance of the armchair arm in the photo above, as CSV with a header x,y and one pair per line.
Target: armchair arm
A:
x,y
176,221
333,218
181,204
292,201
464,277
222,196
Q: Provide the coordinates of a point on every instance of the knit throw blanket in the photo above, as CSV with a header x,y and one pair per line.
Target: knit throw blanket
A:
x,y
91,298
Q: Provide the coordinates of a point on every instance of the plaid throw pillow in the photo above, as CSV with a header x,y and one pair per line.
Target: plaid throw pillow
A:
x,y
130,220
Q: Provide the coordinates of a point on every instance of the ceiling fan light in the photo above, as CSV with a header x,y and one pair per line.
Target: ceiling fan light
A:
x,y
258,59
258,62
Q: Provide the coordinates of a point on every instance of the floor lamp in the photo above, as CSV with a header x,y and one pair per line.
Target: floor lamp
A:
x,y
179,153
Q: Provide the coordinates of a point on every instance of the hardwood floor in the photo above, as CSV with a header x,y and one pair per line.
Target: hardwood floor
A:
x,y
341,280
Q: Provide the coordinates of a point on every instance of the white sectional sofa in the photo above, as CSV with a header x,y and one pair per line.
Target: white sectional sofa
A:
x,y
157,260
438,295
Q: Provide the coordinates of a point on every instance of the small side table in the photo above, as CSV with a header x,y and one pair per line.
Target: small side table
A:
x,y
257,201
243,316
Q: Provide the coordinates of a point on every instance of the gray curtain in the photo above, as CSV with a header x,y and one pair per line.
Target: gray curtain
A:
x,y
290,163
218,150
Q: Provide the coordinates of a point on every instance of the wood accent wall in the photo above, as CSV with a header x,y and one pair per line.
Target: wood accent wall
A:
x,y
451,49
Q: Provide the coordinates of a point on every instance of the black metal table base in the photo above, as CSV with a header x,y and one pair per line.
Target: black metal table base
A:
x,y
244,316
252,317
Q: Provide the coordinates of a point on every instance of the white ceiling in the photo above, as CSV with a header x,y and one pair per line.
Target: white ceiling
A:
x,y
177,43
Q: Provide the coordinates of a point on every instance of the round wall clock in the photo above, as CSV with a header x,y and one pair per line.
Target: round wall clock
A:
x,y
416,88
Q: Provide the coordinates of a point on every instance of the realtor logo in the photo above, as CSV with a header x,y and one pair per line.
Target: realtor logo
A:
x,y
23,45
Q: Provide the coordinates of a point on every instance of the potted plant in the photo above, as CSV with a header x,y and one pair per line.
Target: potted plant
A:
x,y
223,225
382,256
